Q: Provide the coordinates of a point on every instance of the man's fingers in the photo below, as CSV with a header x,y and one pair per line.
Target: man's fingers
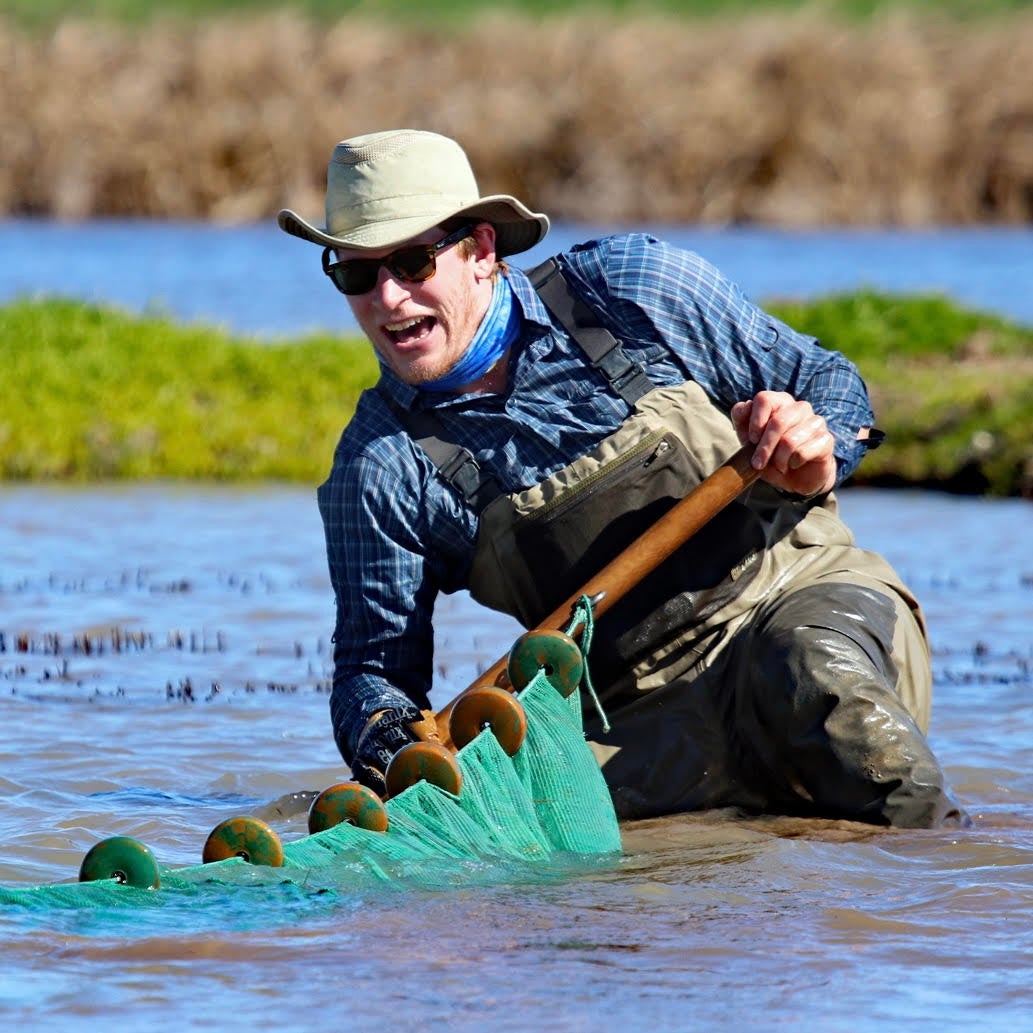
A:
x,y
794,448
804,443
741,421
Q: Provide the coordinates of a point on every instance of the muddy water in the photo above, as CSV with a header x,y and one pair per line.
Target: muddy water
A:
x,y
165,663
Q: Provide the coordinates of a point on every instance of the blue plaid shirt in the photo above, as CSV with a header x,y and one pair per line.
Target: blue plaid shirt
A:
x,y
397,535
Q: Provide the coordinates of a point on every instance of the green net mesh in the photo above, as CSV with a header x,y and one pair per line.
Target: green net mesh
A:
x,y
546,805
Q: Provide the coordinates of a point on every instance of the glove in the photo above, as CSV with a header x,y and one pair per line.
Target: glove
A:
x,y
386,732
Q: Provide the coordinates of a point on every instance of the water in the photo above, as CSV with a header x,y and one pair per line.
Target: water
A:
x,y
703,923
164,663
257,280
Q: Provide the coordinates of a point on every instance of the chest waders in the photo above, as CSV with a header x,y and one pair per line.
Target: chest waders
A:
x,y
671,660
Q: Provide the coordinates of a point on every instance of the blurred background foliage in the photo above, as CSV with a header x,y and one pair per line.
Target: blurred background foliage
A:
x,y
778,113
447,12
781,112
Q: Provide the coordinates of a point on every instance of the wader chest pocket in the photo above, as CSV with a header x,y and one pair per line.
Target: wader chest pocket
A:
x,y
572,537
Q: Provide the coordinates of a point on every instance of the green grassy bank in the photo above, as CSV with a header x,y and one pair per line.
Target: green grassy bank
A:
x,y
93,393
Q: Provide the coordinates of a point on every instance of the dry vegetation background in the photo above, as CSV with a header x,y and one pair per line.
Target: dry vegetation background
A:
x,y
791,120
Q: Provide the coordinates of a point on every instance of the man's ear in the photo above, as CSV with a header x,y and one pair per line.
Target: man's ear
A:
x,y
484,257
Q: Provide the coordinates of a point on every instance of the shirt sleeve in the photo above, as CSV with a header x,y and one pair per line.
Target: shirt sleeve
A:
x,y
384,591
731,347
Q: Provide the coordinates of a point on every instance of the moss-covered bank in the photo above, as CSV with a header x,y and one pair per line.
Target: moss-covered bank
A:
x,y
952,389
93,393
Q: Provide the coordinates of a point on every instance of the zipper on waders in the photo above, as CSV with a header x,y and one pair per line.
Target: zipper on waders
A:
x,y
644,454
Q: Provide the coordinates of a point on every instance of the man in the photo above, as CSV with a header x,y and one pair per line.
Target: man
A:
x,y
521,434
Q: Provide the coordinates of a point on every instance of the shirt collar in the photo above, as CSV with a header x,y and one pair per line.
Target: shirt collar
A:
x,y
398,391
533,307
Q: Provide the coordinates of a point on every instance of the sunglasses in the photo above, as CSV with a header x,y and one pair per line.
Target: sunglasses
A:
x,y
409,264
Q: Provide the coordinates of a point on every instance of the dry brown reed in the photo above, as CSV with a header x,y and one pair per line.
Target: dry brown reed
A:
x,y
794,120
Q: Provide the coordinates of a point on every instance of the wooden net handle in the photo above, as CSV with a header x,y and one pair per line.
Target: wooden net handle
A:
x,y
643,555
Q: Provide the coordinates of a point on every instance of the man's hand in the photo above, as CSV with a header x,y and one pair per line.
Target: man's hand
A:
x,y
385,734
794,445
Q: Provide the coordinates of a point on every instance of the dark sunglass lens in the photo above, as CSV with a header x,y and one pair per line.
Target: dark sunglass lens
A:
x,y
412,263
356,276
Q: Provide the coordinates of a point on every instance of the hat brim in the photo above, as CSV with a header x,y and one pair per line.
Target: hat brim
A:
x,y
516,227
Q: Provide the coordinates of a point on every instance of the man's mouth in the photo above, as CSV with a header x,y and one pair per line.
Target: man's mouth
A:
x,y
409,331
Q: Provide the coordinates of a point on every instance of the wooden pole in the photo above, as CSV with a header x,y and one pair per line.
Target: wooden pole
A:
x,y
641,557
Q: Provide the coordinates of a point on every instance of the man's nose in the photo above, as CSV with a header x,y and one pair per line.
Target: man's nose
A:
x,y
389,290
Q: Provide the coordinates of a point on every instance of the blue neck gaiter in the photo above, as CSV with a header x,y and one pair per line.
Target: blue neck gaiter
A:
x,y
498,330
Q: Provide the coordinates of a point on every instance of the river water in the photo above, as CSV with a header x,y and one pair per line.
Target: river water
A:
x,y
164,664
176,673
257,280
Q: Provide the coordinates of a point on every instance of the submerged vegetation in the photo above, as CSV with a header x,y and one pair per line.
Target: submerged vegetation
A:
x,y
94,393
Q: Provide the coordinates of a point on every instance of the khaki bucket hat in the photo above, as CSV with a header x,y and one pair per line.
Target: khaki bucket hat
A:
x,y
385,188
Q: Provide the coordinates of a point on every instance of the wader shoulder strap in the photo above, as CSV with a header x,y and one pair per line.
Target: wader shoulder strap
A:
x,y
454,463
628,379
606,353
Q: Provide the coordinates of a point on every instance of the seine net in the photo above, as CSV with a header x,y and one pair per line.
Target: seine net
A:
x,y
545,807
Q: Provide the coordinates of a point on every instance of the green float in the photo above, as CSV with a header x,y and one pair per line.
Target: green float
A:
x,y
554,653
351,803
488,707
122,859
247,838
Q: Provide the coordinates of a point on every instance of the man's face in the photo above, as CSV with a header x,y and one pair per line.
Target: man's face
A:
x,y
421,330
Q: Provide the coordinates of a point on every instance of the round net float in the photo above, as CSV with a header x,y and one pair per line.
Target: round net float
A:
x,y
553,652
423,762
349,803
247,838
488,707
122,858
